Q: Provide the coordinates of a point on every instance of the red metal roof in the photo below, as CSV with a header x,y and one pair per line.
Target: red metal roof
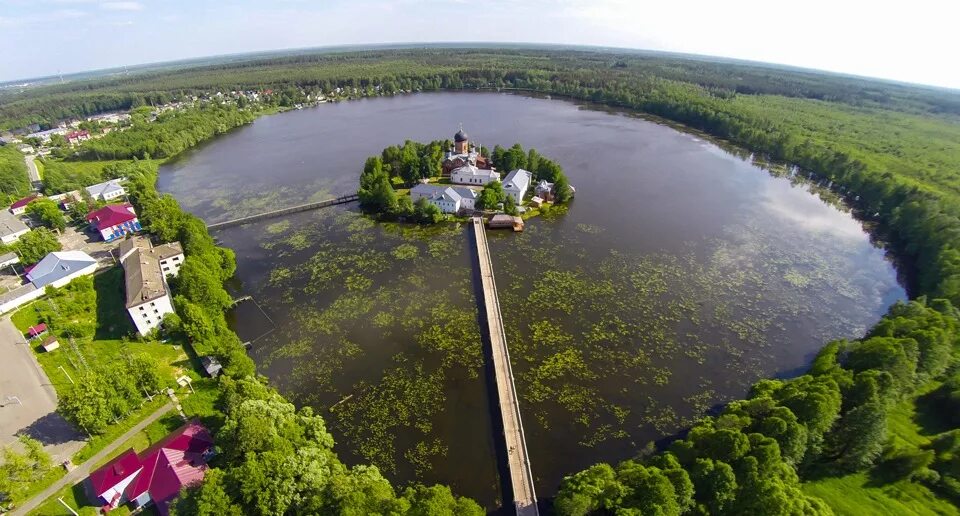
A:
x,y
114,472
37,330
23,202
111,215
75,134
168,466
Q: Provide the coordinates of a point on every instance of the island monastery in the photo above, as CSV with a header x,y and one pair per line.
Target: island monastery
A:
x,y
465,165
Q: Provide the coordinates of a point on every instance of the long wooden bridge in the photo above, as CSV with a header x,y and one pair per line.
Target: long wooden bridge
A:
x,y
343,199
518,461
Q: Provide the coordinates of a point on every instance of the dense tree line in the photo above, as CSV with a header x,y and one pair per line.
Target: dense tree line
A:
x,y
833,420
389,71
14,182
171,133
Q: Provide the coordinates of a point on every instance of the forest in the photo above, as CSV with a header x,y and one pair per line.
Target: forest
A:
x,y
892,151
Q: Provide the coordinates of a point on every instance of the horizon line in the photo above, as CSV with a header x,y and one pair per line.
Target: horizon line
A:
x,y
359,47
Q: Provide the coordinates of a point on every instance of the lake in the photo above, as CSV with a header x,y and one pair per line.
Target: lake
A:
x,y
682,272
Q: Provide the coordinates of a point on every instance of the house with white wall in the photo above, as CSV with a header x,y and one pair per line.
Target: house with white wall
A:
x,y
107,190
145,269
450,199
114,221
471,175
516,184
11,228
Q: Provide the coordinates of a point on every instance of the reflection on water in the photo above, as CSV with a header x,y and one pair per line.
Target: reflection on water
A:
x,y
680,274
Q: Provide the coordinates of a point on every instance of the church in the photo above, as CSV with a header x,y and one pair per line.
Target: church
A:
x,y
465,165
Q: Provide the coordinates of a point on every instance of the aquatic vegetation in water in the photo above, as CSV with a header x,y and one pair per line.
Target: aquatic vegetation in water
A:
x,y
277,228
405,252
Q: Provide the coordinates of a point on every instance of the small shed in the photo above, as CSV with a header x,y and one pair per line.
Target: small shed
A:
x,y
536,202
50,343
36,331
211,365
502,220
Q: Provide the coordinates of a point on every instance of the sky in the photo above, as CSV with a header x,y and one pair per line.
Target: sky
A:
x,y
912,41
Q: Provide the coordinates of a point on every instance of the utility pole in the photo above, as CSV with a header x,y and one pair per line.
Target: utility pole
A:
x,y
68,375
67,506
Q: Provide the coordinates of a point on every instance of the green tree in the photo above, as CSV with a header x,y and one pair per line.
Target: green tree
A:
x,y
48,213
36,244
207,498
491,195
587,491
87,404
439,501
562,193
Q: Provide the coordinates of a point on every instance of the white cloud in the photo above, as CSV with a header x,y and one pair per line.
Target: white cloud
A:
x,y
122,6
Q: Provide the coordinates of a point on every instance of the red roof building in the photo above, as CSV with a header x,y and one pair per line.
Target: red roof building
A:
x,y
158,474
114,220
34,331
21,206
77,136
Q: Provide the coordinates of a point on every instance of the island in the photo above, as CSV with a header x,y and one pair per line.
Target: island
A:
x,y
444,180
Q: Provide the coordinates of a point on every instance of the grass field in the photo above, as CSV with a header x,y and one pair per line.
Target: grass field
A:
x,y
859,494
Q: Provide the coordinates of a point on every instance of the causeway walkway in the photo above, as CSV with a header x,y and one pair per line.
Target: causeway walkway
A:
x,y
343,199
521,475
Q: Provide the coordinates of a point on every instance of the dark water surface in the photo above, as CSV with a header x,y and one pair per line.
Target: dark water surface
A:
x,y
681,273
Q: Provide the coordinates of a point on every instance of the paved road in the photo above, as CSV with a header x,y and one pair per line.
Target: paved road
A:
x,y
81,471
521,474
32,169
34,414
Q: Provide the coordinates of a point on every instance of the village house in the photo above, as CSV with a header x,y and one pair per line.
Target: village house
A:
x,y
114,221
544,190
516,183
107,190
44,136
77,136
158,474
450,199
60,267
145,269
9,259
11,228
20,207
471,175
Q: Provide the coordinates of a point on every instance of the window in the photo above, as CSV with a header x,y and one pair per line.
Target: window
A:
x,y
153,304
156,311
142,308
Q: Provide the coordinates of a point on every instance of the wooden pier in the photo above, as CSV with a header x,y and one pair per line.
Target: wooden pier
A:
x,y
343,199
521,474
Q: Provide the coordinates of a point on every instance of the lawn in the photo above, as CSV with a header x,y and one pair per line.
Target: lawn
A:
x,y
908,425
111,339
857,495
